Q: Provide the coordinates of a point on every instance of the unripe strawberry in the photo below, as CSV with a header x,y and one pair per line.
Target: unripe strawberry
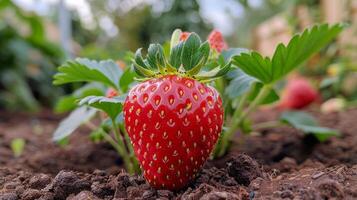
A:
x,y
216,41
298,94
174,123
333,105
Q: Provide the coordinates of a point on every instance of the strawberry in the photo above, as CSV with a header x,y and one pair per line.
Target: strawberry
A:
x,y
184,36
216,41
174,123
111,93
172,118
298,94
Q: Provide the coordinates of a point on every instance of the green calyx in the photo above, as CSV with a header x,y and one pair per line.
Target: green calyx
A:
x,y
188,58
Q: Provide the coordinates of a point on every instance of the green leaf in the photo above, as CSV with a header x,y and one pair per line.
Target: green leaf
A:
x,y
126,79
17,146
63,142
65,104
141,68
111,106
203,53
151,56
240,84
97,135
200,58
229,53
190,47
254,65
166,49
78,117
301,47
138,58
287,58
175,38
68,103
90,89
175,56
307,124
328,81
155,57
271,97
214,73
82,70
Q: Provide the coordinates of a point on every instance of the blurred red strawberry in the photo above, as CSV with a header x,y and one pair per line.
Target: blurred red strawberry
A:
x,y
216,41
111,93
184,36
298,94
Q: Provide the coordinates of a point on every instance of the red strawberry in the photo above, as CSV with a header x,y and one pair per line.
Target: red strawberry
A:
x,y
184,36
174,123
111,93
298,94
216,41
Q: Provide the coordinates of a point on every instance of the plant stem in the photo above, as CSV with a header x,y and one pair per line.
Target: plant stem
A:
x,y
238,120
122,143
121,152
237,112
123,147
132,156
116,133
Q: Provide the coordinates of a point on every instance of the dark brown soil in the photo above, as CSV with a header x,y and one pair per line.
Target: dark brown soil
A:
x,y
43,155
273,145
279,163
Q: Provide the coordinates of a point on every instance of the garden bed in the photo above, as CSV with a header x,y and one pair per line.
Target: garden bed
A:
x,y
278,163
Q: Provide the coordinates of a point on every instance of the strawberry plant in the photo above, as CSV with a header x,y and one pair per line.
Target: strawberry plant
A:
x,y
106,85
170,116
252,84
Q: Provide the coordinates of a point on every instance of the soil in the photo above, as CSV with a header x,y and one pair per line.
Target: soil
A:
x,y
276,163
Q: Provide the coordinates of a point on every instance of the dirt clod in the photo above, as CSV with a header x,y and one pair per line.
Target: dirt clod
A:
x,y
197,193
30,194
331,189
165,194
9,196
149,194
244,169
67,182
39,181
215,195
84,195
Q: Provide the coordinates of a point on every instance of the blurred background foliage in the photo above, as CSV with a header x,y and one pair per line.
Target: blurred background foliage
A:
x,y
31,46
27,60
